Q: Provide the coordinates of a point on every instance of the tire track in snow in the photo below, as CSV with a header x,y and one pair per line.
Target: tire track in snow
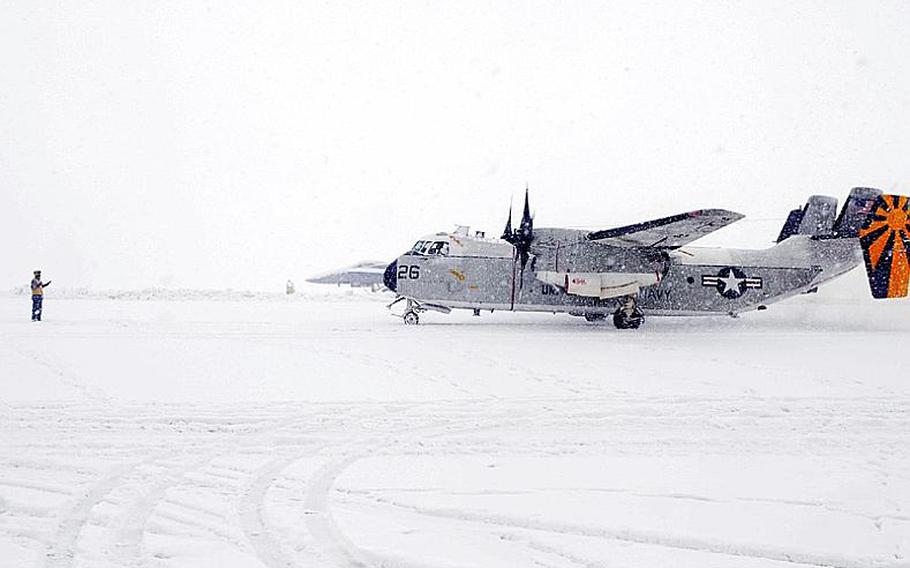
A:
x,y
251,511
128,547
559,553
338,549
375,435
638,537
62,549
34,486
332,545
66,377
321,525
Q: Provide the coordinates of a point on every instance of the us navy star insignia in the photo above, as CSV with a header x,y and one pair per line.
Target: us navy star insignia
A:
x,y
731,282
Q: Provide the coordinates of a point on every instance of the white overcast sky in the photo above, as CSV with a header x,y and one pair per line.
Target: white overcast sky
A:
x,y
238,144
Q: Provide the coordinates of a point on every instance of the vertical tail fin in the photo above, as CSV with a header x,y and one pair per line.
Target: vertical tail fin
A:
x,y
791,226
855,212
815,219
885,240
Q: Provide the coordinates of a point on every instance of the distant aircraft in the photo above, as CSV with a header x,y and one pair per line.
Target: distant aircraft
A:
x,y
365,274
648,269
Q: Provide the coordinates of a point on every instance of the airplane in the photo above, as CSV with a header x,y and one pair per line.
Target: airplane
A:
x,y
648,269
364,274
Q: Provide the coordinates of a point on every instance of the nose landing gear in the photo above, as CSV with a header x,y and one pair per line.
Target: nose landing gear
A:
x,y
413,308
411,311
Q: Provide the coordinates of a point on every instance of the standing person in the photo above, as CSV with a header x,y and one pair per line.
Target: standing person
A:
x,y
38,295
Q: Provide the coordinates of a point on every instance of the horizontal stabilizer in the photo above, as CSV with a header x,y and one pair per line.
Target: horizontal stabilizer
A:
x,y
885,240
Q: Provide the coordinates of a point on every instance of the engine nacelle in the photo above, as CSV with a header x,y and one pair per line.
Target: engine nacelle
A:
x,y
600,284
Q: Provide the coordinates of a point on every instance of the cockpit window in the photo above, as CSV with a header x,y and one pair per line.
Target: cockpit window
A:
x,y
430,248
439,247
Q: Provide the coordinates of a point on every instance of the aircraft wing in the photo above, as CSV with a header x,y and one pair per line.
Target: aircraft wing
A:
x,y
366,273
668,232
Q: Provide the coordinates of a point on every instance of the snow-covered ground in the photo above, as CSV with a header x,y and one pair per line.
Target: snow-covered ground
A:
x,y
250,430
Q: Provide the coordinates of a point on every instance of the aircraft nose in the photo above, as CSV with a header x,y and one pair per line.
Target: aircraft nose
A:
x,y
390,276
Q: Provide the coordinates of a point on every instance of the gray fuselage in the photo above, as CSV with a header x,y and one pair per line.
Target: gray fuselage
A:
x,y
486,274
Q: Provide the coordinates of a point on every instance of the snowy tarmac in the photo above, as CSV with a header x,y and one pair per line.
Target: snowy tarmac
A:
x,y
321,432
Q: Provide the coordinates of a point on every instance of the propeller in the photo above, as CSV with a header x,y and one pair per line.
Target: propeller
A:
x,y
522,237
507,232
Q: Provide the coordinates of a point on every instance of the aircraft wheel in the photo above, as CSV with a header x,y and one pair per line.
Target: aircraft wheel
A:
x,y
624,320
411,318
595,317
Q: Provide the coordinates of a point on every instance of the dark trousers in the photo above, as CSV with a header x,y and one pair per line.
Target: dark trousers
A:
x,y
36,307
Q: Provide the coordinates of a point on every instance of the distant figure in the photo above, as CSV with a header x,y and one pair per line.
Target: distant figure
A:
x,y
289,287
37,295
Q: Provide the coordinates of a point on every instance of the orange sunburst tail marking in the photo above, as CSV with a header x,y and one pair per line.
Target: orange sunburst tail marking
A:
x,y
885,240
900,269
878,246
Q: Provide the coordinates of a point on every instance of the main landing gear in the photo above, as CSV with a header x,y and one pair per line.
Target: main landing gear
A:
x,y
627,315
